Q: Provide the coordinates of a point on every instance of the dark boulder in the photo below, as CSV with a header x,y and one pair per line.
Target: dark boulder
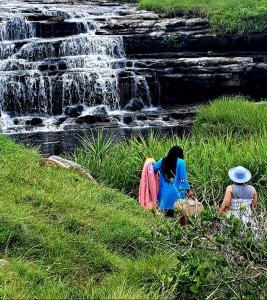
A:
x,y
92,119
141,117
127,119
101,111
73,111
153,116
88,119
57,19
166,118
178,115
61,119
16,121
98,115
135,104
35,121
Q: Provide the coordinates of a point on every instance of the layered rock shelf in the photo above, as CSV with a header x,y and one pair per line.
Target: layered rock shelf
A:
x,y
188,61
76,65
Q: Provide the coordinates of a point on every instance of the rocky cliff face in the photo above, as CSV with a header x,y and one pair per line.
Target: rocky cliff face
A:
x,y
178,59
60,59
185,62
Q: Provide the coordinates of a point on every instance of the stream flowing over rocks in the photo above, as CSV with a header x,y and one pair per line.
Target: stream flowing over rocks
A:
x,y
70,67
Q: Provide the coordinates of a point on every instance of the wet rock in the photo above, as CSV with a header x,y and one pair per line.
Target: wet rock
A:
x,y
93,118
156,123
178,115
88,119
166,118
57,19
136,123
118,118
11,114
153,116
62,66
101,111
127,119
98,115
135,104
16,121
43,67
141,117
35,121
73,111
61,119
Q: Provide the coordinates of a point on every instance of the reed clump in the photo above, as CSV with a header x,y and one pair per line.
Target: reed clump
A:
x,y
228,132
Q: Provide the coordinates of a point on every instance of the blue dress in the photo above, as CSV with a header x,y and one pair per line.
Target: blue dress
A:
x,y
170,192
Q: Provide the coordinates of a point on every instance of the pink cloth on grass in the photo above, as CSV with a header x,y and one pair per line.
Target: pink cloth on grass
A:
x,y
148,188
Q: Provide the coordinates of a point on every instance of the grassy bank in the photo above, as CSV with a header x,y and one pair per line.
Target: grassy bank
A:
x,y
226,16
67,238
235,116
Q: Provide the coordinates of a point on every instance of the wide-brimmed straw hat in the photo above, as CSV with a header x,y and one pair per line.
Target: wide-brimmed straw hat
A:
x,y
239,174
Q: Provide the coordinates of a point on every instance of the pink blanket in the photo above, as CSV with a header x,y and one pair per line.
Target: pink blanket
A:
x,y
148,188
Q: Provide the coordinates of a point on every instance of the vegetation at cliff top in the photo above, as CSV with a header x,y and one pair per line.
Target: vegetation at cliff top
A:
x,y
226,16
67,238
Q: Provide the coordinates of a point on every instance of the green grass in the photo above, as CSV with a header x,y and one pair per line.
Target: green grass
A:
x,y
66,237
227,133
226,16
208,161
237,116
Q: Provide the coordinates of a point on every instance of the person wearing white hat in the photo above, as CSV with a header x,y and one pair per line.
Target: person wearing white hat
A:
x,y
240,198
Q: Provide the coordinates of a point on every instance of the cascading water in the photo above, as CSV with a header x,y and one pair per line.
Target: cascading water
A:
x,y
15,28
51,57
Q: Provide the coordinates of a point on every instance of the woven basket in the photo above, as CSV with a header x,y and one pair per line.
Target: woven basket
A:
x,y
188,207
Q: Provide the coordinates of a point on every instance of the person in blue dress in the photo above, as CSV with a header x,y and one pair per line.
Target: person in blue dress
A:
x,y
173,184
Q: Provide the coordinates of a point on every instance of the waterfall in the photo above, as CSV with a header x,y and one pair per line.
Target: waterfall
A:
x,y
16,28
41,73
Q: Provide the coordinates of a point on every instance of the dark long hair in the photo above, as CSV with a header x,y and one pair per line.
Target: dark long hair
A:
x,y
170,161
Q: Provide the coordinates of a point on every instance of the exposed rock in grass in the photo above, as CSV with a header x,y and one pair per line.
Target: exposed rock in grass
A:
x,y
56,161
3,263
